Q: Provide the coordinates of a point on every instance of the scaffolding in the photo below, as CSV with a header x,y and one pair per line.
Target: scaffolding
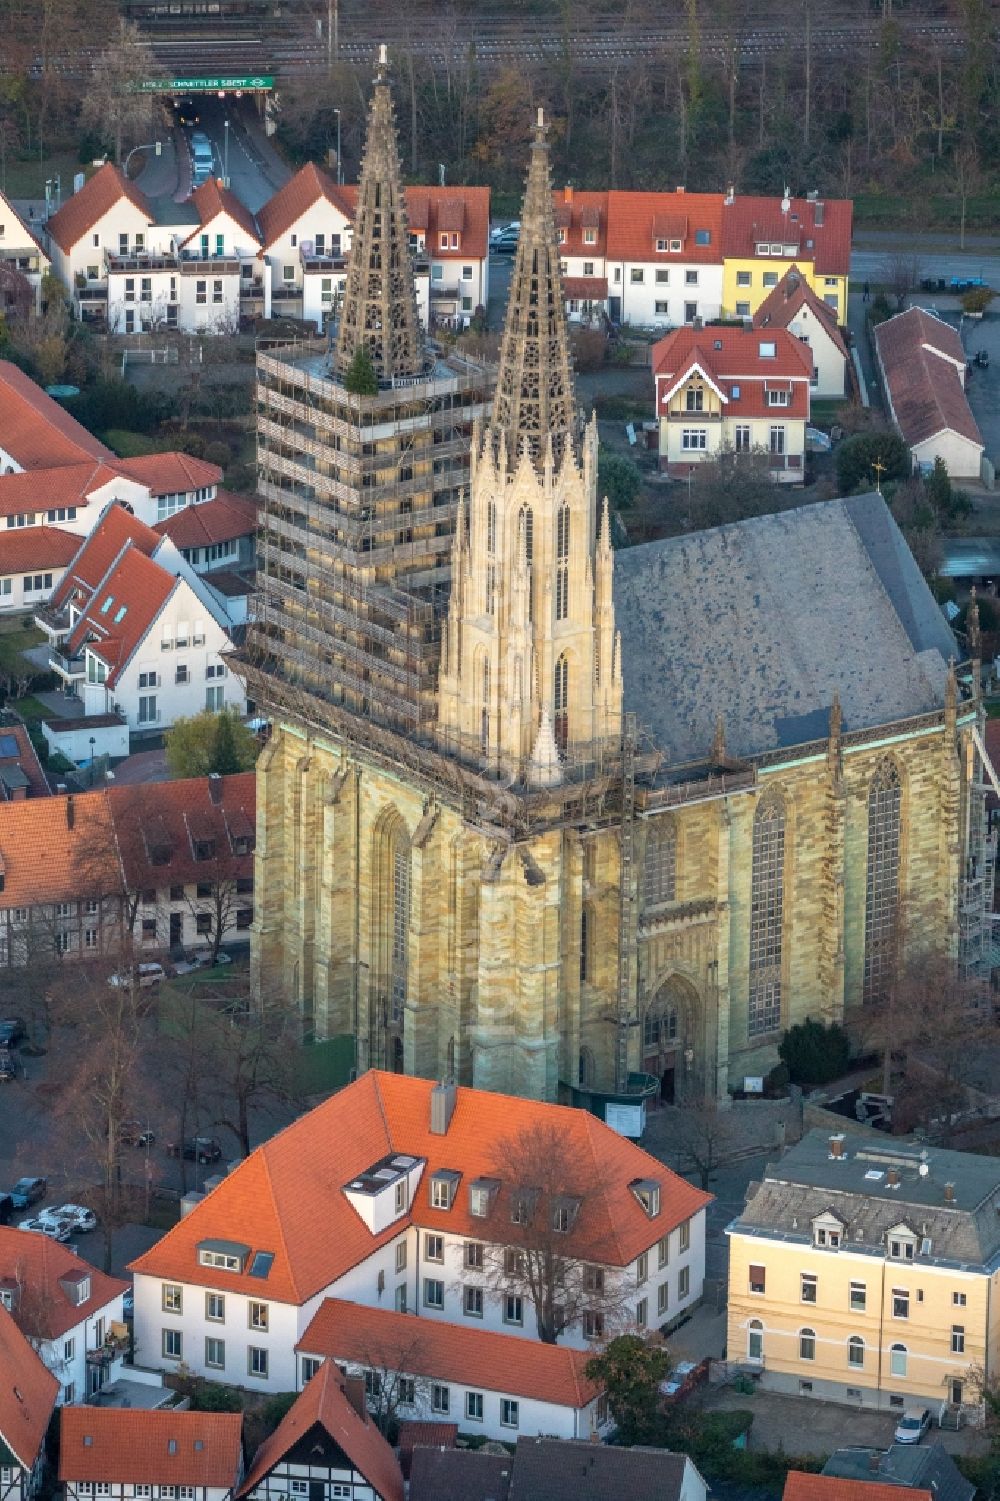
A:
x,y
975,900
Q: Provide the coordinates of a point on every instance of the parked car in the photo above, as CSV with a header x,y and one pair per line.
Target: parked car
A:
x,y
200,959
146,976
12,1031
8,1068
28,1191
77,1215
54,1229
128,1306
135,1134
196,1149
913,1425
504,241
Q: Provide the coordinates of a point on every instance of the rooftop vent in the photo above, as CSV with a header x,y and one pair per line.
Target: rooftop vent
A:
x,y
949,1193
892,1178
837,1146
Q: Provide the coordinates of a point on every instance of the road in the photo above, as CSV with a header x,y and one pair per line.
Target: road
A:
x,y
242,154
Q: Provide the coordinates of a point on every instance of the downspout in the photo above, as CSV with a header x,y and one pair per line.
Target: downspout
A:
x,y
881,1327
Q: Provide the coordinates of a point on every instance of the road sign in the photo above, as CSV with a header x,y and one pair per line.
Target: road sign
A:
x,y
259,82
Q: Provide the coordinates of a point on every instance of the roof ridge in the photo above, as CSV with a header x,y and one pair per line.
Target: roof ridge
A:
x,y
277,1216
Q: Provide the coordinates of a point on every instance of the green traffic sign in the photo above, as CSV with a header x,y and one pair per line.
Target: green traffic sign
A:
x,y
258,81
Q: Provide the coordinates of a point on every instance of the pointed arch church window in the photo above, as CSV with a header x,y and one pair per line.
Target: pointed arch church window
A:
x,y
659,872
767,898
561,703
562,563
882,880
484,732
491,527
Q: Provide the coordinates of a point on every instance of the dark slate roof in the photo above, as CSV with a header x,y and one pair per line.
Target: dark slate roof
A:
x,y
459,1475
857,1189
763,621
552,1469
916,1466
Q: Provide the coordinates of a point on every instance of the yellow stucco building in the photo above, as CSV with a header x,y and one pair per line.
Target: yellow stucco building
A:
x,y
867,1273
762,237
557,820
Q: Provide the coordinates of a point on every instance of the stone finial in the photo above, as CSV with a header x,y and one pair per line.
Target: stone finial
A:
x,y
544,769
950,691
379,311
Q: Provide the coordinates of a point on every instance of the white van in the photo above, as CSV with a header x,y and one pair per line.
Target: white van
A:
x,y
147,975
202,158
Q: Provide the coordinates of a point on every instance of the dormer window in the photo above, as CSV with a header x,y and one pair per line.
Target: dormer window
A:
x,y
444,1187
647,1192
76,1288
401,1196
590,236
564,1213
828,1232
482,1193
225,1255
562,237
902,1243
204,849
522,1205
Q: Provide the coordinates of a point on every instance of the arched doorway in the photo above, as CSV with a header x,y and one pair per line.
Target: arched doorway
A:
x,y
666,1031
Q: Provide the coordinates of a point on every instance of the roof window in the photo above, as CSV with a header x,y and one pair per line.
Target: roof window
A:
x,y
647,1191
444,1187
120,614
768,349
261,1264
107,604
703,237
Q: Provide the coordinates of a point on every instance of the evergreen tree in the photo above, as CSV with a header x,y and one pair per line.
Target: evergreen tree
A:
x,y
360,379
225,754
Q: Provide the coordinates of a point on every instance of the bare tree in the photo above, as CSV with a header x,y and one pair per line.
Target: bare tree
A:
x,y
703,1135
901,274
550,1239
115,104
389,1384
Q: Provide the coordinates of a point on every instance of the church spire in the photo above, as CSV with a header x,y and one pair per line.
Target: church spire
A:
x,y
535,400
379,311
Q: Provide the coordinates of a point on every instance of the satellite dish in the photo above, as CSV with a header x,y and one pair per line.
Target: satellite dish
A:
x,y
923,1170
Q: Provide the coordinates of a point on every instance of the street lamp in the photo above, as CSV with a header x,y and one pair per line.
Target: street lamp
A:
x,y
225,166
93,742
155,146
340,165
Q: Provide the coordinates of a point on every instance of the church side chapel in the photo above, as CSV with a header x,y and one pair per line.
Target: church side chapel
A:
x,y
623,817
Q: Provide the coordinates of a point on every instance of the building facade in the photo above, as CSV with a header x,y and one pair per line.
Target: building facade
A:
x,y
868,1275
28,1392
193,1456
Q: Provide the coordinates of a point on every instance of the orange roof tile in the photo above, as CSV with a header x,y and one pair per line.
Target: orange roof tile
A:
x,y
784,302
47,859
438,1350
578,211
924,364
28,1392
43,489
749,221
632,235
153,1448
170,821
80,213
223,519
325,1401
276,1198
585,288
731,359
802,1487
96,553
436,210
26,757
11,213
290,202
36,431
212,199
42,1309
135,584
168,473
46,547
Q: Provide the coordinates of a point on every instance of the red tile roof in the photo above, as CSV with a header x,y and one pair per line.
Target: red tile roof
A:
x,y
924,364
276,1198
289,203
47,859
441,1351
434,210
153,1448
26,757
43,489
172,818
11,213
749,221
140,586
803,1487
325,1401
575,212
212,199
97,197
96,553
28,1392
737,366
42,1309
36,547
223,519
784,302
586,288
632,235
169,473
37,431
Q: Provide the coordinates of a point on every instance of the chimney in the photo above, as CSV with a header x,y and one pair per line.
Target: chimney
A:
x,y
837,1145
892,1177
818,211
215,787
354,1391
568,193
680,189
70,811
190,1201
730,195
443,1100
949,1193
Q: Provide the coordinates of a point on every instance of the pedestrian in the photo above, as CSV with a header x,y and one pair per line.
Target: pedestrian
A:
x,y
867,294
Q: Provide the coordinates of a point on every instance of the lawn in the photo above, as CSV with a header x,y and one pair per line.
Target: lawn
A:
x,y
14,639
26,178
30,709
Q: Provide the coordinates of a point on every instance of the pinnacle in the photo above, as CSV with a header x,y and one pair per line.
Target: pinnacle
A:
x,y
535,400
379,312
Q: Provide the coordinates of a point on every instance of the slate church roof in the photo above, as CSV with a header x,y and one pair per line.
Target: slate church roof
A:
x,y
763,621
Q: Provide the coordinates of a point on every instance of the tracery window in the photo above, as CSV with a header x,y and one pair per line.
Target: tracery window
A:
x,y
562,563
882,881
561,703
767,893
659,872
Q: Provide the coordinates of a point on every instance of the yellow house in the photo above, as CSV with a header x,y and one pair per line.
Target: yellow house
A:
x,y
867,1274
762,237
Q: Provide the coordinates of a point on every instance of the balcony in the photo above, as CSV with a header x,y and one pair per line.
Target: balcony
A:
x,y
211,265
287,293
71,669
318,261
92,292
141,262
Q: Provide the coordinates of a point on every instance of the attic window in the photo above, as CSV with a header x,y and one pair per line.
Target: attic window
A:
x,y
120,614
204,849
703,237
647,1191
107,604
199,1444
767,349
227,1255
522,1205
261,1264
482,1192
564,1213
444,1186
171,1446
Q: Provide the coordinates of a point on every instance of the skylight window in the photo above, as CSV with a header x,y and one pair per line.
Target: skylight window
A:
x,y
107,604
120,614
261,1264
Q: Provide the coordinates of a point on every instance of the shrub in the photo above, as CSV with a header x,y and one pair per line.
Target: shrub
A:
x,y
617,478
856,455
977,299
815,1053
361,379
590,348
207,1397
218,452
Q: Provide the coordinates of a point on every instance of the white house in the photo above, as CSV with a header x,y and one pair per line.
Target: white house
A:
x,y
37,433
488,1383
23,262
28,1392
922,364
305,234
664,257
193,1456
794,305
32,564
69,1312
405,1210
326,1445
